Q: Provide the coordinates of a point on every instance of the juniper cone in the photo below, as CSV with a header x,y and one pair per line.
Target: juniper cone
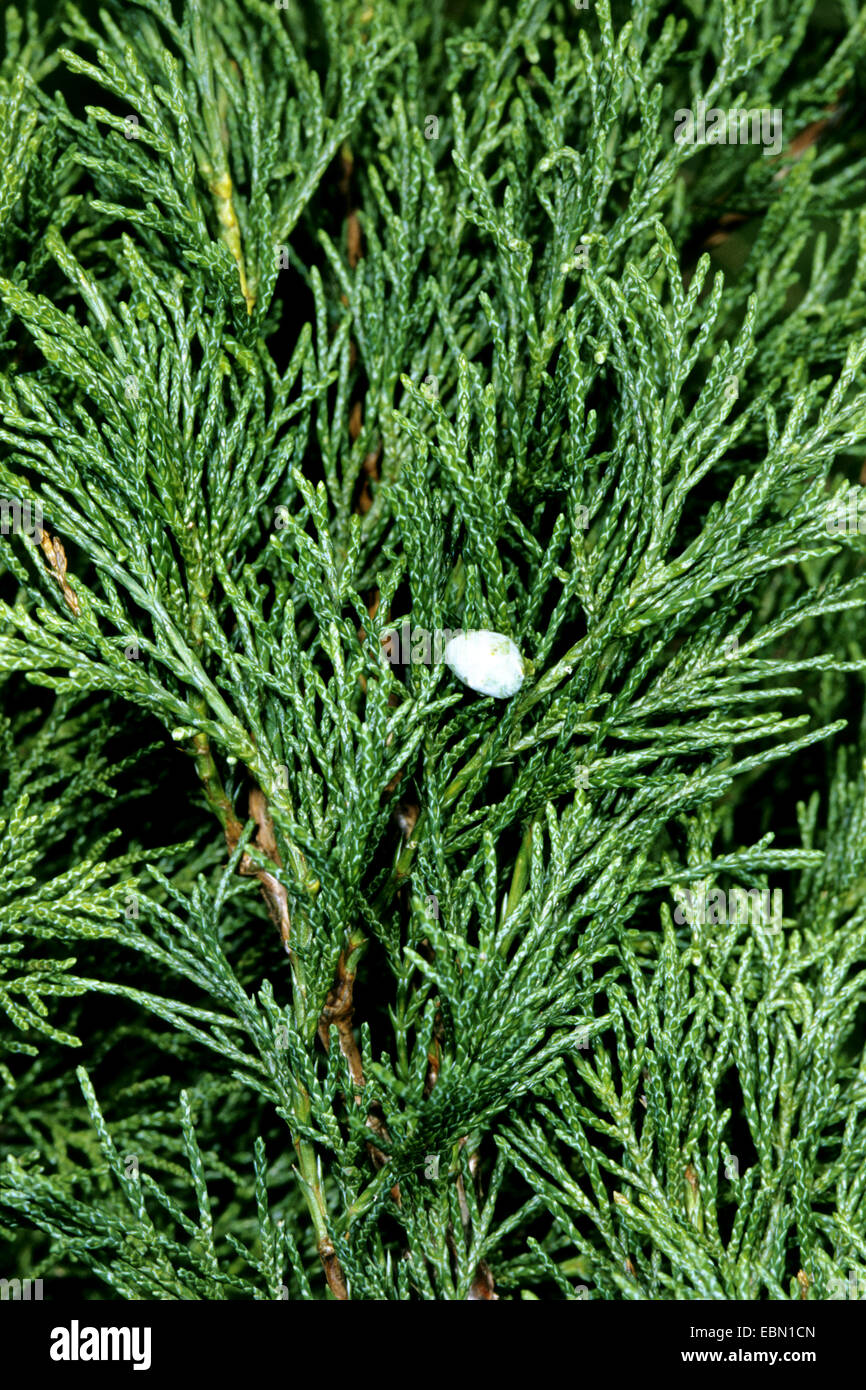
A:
x,y
326,975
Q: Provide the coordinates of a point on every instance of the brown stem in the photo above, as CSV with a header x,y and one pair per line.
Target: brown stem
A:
x,y
339,1010
276,898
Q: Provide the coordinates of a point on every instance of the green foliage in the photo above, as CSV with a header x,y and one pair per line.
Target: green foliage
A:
x,y
316,320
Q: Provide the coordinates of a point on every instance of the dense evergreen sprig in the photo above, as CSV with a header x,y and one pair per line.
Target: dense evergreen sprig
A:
x,y
319,320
